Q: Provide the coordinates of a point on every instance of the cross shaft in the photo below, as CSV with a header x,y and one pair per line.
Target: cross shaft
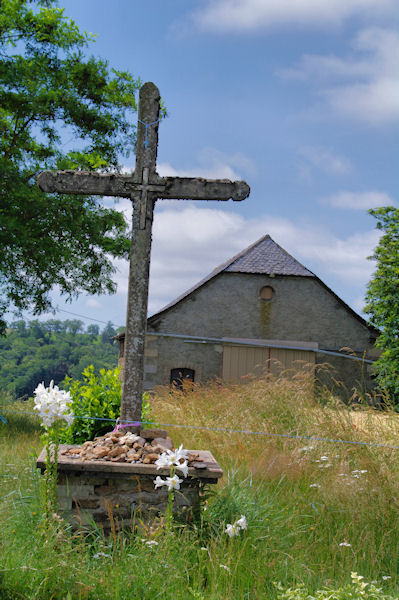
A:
x,y
144,186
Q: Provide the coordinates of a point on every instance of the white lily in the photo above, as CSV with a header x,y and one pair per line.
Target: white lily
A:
x,y
232,530
159,482
183,467
174,482
164,461
242,522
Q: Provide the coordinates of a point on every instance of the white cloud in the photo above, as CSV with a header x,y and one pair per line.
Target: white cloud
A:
x,y
324,160
250,15
362,86
190,241
358,200
93,303
212,164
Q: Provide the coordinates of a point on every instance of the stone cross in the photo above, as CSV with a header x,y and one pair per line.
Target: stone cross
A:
x,y
144,186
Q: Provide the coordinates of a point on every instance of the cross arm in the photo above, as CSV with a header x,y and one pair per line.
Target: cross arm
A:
x,y
80,182
196,188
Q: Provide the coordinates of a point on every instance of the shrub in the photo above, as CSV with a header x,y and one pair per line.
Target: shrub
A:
x,y
96,396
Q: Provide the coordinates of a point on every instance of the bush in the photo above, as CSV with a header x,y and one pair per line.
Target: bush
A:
x,y
96,396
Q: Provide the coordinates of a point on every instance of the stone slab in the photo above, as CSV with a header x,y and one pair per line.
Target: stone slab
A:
x,y
210,469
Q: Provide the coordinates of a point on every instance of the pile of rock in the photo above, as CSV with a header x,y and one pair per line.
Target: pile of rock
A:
x,y
121,446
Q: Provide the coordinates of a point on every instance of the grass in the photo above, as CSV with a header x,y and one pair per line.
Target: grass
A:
x,y
299,510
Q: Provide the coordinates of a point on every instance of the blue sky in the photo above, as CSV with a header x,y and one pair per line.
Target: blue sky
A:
x,y
300,99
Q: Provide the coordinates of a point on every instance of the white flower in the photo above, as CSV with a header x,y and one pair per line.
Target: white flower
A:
x,y
181,453
232,530
164,461
225,568
101,554
151,543
177,458
346,544
52,404
323,457
159,482
183,467
386,577
314,485
174,482
242,522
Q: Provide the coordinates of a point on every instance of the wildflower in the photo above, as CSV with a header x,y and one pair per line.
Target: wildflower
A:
x,y
183,467
225,568
307,448
159,482
232,530
346,544
203,548
173,483
151,543
177,458
235,529
323,458
101,554
242,522
386,577
52,404
314,485
163,461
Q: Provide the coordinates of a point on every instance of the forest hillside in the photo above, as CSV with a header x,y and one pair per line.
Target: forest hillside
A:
x,y
36,351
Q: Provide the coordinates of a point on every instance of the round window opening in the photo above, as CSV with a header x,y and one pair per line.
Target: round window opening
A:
x,y
267,292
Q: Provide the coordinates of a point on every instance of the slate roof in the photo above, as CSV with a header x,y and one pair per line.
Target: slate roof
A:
x,y
263,257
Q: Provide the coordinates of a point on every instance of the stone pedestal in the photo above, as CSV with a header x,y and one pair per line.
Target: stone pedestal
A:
x,y
106,494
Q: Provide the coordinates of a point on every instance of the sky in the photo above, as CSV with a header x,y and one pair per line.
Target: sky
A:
x,y
298,98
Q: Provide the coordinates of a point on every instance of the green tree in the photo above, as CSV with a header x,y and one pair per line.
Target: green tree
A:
x,y
383,300
50,92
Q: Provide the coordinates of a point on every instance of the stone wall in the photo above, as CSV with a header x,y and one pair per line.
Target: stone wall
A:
x,y
105,493
103,498
301,309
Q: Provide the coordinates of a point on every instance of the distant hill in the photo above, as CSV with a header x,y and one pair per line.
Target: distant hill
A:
x,y
37,351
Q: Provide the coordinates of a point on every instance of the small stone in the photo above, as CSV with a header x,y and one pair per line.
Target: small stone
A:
x,y
151,434
147,460
192,456
87,444
165,444
119,458
153,457
100,451
75,451
198,465
133,456
116,451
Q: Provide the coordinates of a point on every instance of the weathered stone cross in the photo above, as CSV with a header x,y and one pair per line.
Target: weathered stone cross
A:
x,y
144,186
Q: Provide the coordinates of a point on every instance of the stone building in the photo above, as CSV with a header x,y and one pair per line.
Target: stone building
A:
x,y
259,312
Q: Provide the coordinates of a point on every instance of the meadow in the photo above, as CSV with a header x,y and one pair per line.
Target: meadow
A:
x,y
317,511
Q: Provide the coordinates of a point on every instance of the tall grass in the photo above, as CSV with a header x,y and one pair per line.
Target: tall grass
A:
x,y
295,528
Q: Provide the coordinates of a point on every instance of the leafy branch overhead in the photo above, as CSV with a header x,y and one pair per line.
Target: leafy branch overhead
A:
x,y
58,110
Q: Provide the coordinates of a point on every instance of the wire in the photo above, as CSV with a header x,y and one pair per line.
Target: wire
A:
x,y
226,430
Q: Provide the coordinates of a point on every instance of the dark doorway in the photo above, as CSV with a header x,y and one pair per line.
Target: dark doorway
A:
x,y
182,379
